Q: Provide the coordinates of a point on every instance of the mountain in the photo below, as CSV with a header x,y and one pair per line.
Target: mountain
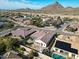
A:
x,y
53,7
57,8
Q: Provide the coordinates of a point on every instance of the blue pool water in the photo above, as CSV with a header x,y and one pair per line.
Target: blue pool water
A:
x,y
56,56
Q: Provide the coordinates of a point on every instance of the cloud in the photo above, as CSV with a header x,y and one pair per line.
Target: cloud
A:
x,y
16,4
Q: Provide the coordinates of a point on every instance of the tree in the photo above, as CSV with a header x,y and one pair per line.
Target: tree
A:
x,y
9,42
33,54
19,14
66,19
58,22
50,21
47,52
6,44
71,29
37,21
2,47
8,24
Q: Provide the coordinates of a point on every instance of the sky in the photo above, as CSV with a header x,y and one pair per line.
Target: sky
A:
x,y
35,4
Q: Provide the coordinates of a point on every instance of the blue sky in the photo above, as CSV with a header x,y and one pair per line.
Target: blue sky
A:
x,y
34,4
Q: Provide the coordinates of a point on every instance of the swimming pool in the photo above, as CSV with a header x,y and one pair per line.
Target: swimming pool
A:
x,y
56,56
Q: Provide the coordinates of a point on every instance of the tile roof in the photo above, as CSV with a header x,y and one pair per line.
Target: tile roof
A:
x,y
38,34
48,37
29,32
23,31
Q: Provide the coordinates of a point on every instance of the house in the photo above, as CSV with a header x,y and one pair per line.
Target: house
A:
x,y
20,19
23,32
38,35
42,38
27,22
66,48
45,19
50,21
24,20
72,40
47,39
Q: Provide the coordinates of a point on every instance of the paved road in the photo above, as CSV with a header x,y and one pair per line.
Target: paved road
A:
x,y
48,29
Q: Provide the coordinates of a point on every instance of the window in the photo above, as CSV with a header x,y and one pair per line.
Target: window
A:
x,y
41,44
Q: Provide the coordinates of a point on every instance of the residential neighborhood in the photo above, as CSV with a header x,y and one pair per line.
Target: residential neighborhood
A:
x,y
51,32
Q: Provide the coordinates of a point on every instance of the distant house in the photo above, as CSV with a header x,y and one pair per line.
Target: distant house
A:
x,y
27,22
24,20
45,19
20,19
23,32
50,21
